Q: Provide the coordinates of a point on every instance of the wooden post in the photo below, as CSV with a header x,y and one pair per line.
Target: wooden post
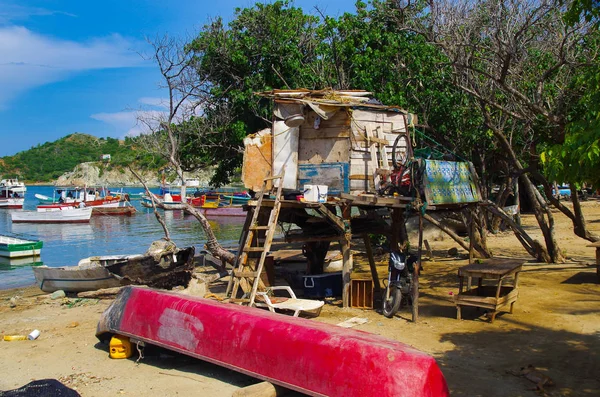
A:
x,y
345,247
415,286
471,235
372,265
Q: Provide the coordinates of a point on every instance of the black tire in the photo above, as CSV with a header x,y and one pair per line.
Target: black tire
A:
x,y
399,158
391,306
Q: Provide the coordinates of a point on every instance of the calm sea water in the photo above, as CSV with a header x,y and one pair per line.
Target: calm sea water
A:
x,y
66,244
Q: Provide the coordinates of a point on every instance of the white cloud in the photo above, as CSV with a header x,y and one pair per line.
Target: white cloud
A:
x,y
30,60
16,12
127,123
154,101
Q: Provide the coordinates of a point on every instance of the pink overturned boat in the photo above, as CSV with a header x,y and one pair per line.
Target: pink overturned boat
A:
x,y
308,356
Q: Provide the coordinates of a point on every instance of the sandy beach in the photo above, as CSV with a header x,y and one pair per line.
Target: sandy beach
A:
x,y
555,327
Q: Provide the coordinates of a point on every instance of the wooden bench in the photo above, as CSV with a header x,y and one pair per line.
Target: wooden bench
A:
x,y
489,297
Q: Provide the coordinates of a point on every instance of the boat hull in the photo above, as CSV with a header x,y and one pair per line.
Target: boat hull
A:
x,y
74,279
73,215
12,247
11,203
308,356
223,211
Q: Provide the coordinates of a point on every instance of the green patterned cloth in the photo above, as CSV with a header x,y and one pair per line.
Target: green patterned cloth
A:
x,y
449,182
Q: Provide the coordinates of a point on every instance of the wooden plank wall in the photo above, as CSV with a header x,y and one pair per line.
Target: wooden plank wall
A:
x,y
362,167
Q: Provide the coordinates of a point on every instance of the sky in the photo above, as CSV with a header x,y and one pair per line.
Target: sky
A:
x,y
77,66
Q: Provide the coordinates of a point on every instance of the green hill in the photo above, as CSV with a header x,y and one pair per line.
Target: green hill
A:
x,y
46,162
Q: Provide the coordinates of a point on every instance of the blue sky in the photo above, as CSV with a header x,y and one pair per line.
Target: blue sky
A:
x,y
74,66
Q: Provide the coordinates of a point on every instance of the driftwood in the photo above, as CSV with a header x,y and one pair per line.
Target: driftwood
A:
x,y
104,293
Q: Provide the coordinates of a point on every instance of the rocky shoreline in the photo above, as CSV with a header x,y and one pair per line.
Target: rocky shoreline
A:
x,y
100,174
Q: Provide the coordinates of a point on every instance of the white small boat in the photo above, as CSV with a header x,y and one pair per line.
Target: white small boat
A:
x,y
13,247
74,278
64,215
159,270
45,199
11,196
14,185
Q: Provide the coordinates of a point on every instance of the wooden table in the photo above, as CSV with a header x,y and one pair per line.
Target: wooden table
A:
x,y
597,246
485,296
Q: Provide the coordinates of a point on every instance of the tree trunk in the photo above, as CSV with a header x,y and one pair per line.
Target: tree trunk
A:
x,y
576,216
481,252
552,252
212,244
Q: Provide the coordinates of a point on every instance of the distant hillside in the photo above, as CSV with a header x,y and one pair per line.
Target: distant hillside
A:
x,y
46,162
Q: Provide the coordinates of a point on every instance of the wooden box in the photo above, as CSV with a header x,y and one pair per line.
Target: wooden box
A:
x,y
361,294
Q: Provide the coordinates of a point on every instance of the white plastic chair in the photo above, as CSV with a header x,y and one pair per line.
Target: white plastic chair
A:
x,y
294,304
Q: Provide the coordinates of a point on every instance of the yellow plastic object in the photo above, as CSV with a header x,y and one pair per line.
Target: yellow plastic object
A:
x,y
120,347
10,338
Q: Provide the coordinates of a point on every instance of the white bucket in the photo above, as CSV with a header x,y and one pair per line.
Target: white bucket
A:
x,y
315,193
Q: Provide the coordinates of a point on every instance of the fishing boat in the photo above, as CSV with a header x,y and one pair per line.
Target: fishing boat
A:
x,y
74,196
14,185
62,215
10,199
161,270
14,247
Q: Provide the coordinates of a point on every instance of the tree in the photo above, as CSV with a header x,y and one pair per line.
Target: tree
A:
x,y
266,46
171,130
518,59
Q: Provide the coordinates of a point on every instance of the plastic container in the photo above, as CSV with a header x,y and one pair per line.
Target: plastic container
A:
x,y
315,193
120,347
34,334
11,338
323,285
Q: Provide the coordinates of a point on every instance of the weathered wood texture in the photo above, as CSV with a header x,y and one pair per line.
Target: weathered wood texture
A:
x,y
258,159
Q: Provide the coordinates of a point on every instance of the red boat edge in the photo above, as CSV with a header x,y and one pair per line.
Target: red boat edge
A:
x,y
308,356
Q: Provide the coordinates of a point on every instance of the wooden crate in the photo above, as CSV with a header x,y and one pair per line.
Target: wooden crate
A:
x,y
361,294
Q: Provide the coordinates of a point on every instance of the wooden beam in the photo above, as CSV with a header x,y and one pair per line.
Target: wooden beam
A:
x,y
337,223
347,259
372,266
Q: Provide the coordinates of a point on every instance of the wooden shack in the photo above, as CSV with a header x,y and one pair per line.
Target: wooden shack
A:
x,y
355,147
342,139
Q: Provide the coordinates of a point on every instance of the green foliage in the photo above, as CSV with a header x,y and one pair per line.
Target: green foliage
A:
x,y
46,162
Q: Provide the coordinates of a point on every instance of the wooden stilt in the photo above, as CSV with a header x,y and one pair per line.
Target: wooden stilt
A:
x,y
346,269
347,259
374,275
415,284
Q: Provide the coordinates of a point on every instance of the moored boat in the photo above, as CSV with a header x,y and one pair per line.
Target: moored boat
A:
x,y
77,197
14,185
62,215
163,269
9,198
14,247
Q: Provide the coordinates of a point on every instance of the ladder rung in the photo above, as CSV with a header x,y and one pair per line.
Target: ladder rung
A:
x,y
253,249
239,273
260,227
273,177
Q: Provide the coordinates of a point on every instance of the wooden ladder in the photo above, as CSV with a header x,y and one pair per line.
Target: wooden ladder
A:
x,y
243,275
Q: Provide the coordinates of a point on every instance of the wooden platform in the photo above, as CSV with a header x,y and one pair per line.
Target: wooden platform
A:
x,y
494,297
